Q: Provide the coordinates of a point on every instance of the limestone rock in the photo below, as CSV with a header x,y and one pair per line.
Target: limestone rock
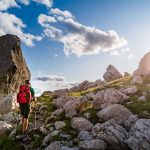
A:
x,y
4,127
140,135
113,134
10,118
8,104
85,136
137,79
92,145
117,112
129,90
126,74
144,67
13,68
112,74
59,125
81,124
109,97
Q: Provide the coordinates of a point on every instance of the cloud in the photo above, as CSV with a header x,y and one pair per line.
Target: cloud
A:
x,y
49,78
25,2
126,50
5,4
47,3
77,38
50,83
130,56
11,24
114,53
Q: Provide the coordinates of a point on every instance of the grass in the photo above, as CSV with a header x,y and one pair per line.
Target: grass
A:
x,y
113,84
7,143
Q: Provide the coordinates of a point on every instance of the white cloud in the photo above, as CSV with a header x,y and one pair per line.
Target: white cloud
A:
x,y
47,3
77,38
114,53
130,56
5,4
10,24
25,2
126,50
50,83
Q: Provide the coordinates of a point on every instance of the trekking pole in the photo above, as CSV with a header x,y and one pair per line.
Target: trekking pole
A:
x,y
35,115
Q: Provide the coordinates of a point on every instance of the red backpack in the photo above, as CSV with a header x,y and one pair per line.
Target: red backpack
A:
x,y
24,95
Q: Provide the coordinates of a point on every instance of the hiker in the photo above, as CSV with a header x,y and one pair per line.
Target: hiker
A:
x,y
25,96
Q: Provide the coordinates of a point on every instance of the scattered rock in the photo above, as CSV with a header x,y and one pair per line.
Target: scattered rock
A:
x,y
142,98
92,145
117,112
10,118
112,74
109,97
54,146
140,135
59,125
81,124
58,112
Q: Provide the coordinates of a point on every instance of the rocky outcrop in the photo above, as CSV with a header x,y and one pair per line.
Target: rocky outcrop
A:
x,y
86,85
111,74
13,68
117,112
140,135
112,134
108,97
144,67
137,79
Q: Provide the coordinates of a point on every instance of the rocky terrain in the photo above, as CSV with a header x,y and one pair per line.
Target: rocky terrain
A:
x,y
13,68
113,114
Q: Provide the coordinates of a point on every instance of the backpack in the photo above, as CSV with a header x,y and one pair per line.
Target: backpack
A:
x,y
24,95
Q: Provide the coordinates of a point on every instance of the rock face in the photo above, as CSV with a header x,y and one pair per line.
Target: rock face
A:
x,y
111,74
117,112
144,67
13,68
140,135
108,97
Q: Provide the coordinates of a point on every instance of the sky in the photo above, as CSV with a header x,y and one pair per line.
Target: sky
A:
x,y
66,42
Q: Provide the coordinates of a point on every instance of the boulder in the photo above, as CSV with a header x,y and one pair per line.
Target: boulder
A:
x,y
58,112
92,145
112,74
144,67
13,68
109,97
54,146
117,112
85,136
139,135
72,106
59,125
8,104
137,79
129,90
112,134
10,118
60,92
126,74
4,127
81,124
